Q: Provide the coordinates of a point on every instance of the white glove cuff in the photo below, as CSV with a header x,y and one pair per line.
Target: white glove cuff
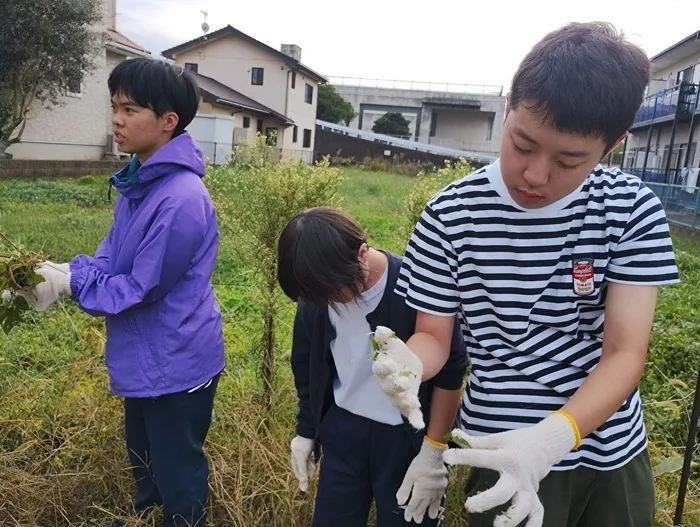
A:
x,y
559,435
432,451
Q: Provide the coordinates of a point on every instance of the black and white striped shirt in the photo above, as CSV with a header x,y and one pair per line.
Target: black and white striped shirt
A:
x,y
533,332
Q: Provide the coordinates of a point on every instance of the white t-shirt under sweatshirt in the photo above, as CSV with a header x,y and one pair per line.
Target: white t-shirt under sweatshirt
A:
x,y
355,387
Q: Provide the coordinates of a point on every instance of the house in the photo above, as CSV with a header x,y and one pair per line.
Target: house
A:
x,y
265,90
662,145
250,117
80,127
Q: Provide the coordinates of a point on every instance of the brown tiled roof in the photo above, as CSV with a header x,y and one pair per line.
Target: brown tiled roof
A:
x,y
232,31
117,37
217,93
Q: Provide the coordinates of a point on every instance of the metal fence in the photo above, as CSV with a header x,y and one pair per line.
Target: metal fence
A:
x,y
681,203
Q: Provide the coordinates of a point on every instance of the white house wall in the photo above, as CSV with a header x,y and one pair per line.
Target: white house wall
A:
x,y
230,61
73,130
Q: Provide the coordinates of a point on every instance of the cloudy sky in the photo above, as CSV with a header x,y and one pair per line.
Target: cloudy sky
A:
x,y
456,41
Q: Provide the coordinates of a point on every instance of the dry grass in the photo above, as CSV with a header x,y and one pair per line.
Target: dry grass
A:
x,y
63,461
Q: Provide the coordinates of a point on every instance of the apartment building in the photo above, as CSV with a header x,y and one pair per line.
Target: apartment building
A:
x,y
662,145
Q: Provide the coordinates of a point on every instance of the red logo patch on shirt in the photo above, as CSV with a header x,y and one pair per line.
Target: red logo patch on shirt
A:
x,y
584,276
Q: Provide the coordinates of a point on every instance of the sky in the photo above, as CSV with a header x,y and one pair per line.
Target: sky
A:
x,y
456,41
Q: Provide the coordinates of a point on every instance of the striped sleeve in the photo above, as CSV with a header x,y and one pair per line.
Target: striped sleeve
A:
x,y
644,253
427,277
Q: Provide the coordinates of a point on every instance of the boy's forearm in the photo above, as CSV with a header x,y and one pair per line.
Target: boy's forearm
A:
x,y
606,389
431,353
443,412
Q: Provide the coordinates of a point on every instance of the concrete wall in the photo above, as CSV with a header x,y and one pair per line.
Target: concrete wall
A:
x,y
464,130
370,116
37,169
422,103
230,60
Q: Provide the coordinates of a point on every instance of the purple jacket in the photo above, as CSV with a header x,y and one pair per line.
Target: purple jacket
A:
x,y
150,277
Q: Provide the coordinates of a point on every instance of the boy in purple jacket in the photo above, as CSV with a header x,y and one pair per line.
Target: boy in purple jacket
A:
x,y
150,278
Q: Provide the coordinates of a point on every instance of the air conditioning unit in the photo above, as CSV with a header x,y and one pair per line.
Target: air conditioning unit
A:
x,y
111,148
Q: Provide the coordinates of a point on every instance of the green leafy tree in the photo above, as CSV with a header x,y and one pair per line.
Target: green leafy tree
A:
x,y
46,47
392,123
332,107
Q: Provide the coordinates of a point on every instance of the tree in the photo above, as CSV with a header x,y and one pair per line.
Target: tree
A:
x,y
46,47
255,198
392,123
332,107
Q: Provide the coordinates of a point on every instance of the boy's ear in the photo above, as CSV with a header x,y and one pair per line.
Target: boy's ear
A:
x,y
170,121
616,144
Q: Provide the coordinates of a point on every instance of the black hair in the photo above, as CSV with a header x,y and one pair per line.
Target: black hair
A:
x,y
157,85
584,78
317,256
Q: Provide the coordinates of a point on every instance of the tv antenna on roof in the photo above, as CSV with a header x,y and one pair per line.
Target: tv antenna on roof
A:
x,y
205,25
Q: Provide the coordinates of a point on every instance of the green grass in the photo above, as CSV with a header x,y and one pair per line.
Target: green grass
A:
x,y
62,459
375,199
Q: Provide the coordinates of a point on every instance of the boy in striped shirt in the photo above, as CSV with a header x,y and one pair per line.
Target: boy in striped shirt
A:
x,y
532,255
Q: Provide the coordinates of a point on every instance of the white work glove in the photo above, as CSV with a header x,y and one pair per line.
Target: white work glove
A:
x,y
399,373
522,458
302,460
426,482
56,285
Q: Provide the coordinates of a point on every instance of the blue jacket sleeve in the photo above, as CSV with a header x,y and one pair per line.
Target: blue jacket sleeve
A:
x,y
162,258
451,377
301,349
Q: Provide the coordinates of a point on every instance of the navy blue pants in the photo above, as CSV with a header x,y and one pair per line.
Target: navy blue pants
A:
x,y
362,460
164,439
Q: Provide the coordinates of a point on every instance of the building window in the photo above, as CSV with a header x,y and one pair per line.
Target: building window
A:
x,y
246,122
294,80
433,124
260,126
271,136
307,138
75,89
257,76
489,129
309,94
295,134
191,66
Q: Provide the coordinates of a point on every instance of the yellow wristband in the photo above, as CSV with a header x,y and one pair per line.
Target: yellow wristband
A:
x,y
436,443
571,419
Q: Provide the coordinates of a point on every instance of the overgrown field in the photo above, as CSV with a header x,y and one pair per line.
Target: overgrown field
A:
x,y
62,457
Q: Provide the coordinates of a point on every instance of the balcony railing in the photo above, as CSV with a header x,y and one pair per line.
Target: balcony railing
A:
x,y
679,100
655,175
439,87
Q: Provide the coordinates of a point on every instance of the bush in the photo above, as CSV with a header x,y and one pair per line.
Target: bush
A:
x,y
427,186
255,199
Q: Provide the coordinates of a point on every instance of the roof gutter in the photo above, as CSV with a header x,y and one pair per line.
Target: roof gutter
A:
x,y
219,100
126,50
226,102
694,36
